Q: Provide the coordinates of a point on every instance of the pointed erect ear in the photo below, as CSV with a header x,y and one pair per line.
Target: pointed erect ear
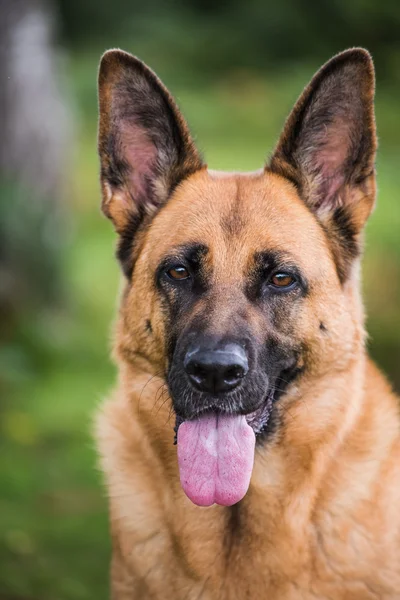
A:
x,y
327,148
144,143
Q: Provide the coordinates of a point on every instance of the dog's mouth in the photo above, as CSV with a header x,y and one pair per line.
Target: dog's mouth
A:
x,y
216,453
257,419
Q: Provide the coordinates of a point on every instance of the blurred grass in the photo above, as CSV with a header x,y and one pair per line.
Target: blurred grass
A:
x,y
54,535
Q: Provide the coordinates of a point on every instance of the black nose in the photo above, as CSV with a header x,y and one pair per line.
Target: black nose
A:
x,y
216,370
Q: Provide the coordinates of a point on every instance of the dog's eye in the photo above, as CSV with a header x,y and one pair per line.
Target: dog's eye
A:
x,y
282,280
178,272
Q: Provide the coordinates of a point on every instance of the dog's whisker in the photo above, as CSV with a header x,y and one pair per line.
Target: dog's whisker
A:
x,y
162,400
155,375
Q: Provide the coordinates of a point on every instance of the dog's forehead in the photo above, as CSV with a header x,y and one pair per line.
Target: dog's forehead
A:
x,y
237,214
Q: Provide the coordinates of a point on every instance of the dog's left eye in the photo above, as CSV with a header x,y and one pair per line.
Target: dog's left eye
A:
x,y
282,280
178,273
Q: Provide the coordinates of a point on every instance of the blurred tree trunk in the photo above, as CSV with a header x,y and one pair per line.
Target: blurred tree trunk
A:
x,y
34,149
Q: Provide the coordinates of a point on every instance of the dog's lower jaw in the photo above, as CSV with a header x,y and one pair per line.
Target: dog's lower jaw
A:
x,y
258,419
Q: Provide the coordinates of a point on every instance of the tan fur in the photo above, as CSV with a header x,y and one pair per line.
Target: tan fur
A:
x,y
321,519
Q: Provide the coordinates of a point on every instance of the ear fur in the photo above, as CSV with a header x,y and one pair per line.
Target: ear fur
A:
x,y
144,143
328,146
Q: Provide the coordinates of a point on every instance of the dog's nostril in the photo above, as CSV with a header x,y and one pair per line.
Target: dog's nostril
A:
x,y
233,373
194,368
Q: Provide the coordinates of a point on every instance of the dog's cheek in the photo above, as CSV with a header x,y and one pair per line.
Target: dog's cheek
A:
x,y
157,338
327,331
142,327
293,333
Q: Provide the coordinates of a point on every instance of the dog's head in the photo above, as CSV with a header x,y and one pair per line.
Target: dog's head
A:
x,y
238,284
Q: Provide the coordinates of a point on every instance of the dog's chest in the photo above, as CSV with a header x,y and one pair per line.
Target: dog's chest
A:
x,y
215,562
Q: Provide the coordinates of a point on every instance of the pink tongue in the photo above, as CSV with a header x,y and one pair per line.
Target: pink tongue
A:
x,y
215,456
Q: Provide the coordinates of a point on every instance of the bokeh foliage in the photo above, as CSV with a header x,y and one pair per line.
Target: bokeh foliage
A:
x,y
205,38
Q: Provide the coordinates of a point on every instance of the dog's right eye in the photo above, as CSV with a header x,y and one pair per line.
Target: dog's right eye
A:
x,y
178,273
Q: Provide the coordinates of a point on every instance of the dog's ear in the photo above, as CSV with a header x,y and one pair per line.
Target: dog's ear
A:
x,y
328,145
145,145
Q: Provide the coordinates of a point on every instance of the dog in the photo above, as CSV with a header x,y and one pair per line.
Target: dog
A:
x,y
251,448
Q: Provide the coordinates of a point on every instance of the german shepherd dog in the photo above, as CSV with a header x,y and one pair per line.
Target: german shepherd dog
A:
x,y
244,382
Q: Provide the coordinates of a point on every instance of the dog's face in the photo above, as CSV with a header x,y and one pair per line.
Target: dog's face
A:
x,y
238,284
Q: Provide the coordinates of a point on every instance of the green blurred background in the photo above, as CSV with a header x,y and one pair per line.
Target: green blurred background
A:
x,y
236,68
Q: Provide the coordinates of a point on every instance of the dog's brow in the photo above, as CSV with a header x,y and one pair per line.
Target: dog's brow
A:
x,y
191,251
273,259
